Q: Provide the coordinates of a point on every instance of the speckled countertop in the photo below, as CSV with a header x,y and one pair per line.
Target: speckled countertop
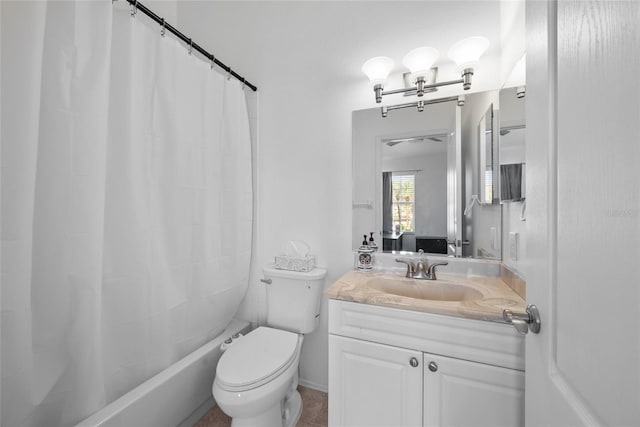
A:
x,y
473,297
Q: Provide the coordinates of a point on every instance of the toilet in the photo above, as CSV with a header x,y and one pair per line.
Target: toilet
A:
x,y
257,377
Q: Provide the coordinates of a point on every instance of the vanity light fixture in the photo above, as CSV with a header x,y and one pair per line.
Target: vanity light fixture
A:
x,y
420,104
419,61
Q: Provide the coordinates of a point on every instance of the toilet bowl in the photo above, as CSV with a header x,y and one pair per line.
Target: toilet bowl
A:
x,y
257,377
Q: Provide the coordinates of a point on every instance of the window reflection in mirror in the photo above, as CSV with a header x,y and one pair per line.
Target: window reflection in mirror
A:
x,y
401,209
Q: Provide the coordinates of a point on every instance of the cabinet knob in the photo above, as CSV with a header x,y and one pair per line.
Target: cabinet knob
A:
x,y
433,366
413,362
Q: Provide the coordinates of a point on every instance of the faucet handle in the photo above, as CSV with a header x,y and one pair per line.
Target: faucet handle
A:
x,y
432,269
411,267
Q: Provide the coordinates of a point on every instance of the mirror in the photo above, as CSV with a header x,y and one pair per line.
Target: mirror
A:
x,y
486,175
512,145
432,159
401,175
482,219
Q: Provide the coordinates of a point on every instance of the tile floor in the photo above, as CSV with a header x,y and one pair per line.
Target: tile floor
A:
x,y
315,411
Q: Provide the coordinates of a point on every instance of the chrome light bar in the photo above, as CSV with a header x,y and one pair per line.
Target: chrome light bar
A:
x,y
420,104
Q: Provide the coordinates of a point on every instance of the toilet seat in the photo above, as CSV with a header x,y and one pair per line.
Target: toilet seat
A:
x,y
257,358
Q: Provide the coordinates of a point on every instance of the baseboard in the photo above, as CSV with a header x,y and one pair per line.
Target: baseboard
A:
x,y
320,387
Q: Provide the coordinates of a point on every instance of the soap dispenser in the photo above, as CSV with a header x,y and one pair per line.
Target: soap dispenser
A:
x,y
365,256
372,243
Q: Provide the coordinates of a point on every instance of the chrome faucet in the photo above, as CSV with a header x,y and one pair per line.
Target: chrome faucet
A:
x,y
420,269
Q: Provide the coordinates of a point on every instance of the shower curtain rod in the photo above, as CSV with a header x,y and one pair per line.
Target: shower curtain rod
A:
x,y
192,45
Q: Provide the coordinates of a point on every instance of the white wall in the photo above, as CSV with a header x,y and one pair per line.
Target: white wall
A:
x,y
511,223
512,35
304,172
431,197
167,9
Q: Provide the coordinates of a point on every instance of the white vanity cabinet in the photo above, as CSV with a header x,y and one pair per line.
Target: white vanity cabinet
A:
x,y
371,384
391,367
464,393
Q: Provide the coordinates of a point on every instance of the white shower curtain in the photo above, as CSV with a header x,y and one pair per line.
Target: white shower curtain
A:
x,y
126,206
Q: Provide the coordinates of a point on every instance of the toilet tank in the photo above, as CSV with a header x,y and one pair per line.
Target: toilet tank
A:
x,y
293,298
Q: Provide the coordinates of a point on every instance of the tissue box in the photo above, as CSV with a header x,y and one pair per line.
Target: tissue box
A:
x,y
284,262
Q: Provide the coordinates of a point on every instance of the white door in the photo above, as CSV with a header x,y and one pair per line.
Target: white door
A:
x,y
373,384
459,393
583,219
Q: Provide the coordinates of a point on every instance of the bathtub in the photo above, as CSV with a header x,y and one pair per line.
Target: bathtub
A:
x,y
178,396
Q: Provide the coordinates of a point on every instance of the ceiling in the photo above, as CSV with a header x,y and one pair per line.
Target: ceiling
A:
x,y
330,40
415,148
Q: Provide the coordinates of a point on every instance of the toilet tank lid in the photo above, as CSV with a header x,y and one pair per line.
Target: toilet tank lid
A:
x,y
316,274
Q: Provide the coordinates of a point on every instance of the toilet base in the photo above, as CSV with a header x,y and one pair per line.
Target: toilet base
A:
x,y
277,416
269,418
292,409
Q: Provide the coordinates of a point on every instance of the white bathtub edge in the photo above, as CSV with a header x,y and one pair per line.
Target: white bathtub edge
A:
x,y
143,405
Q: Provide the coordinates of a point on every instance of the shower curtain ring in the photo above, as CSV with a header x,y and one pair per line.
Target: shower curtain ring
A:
x,y
134,8
213,61
229,74
162,28
190,46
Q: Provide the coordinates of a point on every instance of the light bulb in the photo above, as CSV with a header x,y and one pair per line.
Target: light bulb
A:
x,y
378,69
420,60
467,52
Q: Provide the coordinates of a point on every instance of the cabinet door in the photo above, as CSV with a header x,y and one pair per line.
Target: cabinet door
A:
x,y
460,393
373,384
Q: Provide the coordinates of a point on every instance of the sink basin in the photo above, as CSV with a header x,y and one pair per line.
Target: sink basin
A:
x,y
433,290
